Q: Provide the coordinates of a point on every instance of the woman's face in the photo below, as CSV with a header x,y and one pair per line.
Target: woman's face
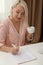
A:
x,y
18,13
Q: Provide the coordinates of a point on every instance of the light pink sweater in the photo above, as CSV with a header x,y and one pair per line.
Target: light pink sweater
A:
x,y
9,34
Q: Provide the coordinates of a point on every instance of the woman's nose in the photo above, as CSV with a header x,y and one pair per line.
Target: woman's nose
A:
x,y
19,15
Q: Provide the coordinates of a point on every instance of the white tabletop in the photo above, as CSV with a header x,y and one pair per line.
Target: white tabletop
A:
x,y
6,58
37,50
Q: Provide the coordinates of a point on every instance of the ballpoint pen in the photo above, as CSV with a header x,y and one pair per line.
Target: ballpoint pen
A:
x,y
13,45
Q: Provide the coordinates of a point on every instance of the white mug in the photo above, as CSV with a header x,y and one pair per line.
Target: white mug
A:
x,y
31,29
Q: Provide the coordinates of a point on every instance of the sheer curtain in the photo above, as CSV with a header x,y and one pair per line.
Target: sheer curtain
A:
x,y
2,8
5,8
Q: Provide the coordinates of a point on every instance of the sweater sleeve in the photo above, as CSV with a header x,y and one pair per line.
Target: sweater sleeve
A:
x,y
3,31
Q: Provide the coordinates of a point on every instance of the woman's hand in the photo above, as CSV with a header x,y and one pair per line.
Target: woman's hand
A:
x,y
29,36
15,50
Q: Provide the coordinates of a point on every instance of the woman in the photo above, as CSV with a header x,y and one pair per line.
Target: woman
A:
x,y
13,31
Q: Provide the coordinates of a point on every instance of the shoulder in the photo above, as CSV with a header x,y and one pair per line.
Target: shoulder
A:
x,y
4,24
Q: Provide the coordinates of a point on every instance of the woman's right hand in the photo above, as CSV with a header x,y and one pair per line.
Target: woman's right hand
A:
x,y
15,50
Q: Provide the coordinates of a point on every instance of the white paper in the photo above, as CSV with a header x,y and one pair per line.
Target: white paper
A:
x,y
23,56
10,59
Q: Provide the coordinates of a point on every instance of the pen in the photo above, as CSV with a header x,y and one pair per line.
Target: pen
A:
x,y
14,45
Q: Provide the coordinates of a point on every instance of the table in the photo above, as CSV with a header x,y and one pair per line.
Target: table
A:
x,y
33,48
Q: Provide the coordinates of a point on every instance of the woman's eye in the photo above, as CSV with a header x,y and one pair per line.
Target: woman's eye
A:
x,y
22,14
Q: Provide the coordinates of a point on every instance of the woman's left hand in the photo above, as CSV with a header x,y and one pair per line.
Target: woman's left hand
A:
x,y
29,37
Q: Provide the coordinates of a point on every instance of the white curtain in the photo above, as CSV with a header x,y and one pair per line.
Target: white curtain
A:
x,y
2,9
5,8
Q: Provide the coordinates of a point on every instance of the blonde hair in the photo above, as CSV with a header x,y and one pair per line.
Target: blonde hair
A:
x,y
24,5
